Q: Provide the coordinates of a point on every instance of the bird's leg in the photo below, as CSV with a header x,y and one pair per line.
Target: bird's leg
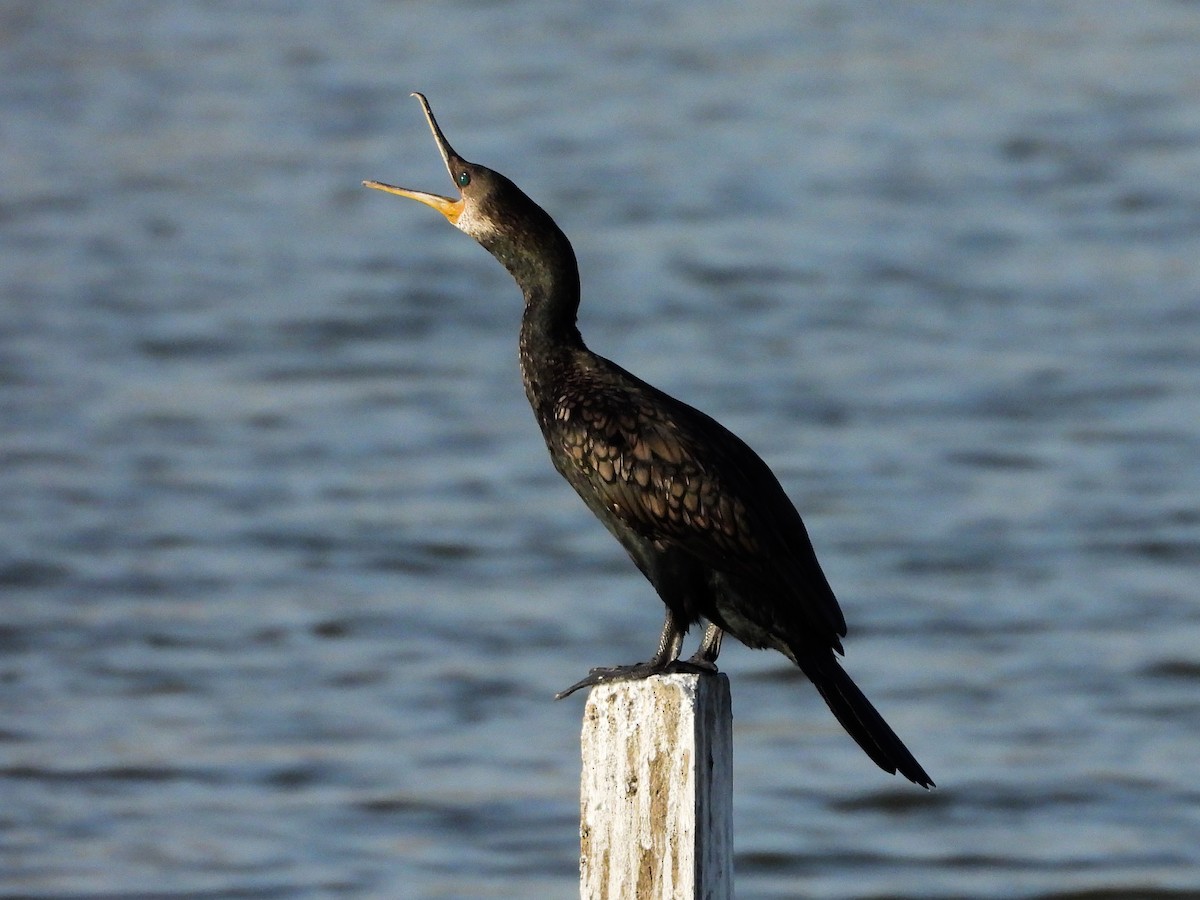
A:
x,y
670,642
666,660
710,646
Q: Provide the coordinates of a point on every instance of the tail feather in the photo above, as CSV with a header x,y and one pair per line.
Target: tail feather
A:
x,y
863,722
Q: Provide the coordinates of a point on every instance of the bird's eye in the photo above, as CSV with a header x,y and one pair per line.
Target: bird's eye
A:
x,y
464,178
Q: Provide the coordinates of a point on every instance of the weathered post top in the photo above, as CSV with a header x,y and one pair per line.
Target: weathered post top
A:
x,y
657,790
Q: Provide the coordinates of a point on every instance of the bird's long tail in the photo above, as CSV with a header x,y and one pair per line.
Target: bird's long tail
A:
x,y
862,721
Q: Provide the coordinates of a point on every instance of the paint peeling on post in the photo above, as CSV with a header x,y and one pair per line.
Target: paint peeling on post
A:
x,y
656,810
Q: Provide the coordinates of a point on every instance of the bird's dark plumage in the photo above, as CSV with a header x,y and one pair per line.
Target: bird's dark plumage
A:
x,y
700,514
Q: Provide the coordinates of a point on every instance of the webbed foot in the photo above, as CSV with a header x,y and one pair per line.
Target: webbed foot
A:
x,y
638,671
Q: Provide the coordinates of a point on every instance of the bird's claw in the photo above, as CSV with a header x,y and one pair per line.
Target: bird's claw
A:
x,y
638,671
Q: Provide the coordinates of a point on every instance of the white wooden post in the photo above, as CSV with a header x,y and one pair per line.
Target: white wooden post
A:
x,y
656,817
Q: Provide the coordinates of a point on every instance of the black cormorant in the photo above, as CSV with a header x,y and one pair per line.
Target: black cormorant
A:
x,y
702,516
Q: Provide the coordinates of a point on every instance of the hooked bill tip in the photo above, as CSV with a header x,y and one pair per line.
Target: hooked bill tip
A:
x,y
423,100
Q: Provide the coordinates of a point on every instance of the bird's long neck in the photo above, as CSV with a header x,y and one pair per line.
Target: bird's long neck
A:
x,y
543,263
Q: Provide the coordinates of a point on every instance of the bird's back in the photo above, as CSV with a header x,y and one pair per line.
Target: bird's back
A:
x,y
652,466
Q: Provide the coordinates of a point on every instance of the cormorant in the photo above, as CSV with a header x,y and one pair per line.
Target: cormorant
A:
x,y
701,515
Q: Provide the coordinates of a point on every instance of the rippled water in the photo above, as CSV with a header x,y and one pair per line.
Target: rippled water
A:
x,y
288,582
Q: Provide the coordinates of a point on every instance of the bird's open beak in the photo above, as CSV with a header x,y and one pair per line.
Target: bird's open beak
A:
x,y
449,208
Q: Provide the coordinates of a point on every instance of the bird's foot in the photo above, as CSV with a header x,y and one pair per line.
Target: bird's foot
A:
x,y
638,671
701,663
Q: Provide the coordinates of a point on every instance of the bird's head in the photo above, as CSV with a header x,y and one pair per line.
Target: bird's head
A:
x,y
475,210
510,226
